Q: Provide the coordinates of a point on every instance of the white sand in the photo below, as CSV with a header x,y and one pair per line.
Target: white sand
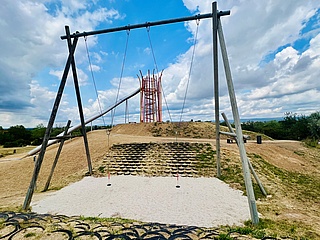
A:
x,y
203,202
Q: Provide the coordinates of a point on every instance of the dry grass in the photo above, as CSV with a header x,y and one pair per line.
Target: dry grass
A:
x,y
14,150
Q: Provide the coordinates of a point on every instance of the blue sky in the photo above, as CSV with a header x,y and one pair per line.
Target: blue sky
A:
x,y
273,49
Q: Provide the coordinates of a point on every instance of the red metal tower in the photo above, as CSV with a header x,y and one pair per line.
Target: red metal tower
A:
x,y
150,98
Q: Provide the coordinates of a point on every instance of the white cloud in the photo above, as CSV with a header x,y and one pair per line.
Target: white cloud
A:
x,y
271,75
314,49
32,44
252,31
82,76
94,68
147,51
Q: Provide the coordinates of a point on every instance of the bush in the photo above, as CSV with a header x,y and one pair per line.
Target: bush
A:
x,y
17,143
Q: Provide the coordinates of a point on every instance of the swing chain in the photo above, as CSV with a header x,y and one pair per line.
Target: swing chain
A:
x,y
113,112
190,70
93,78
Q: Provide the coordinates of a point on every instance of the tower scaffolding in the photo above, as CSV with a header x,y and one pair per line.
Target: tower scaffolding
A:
x,y
150,97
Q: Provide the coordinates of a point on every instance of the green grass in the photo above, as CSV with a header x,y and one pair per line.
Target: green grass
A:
x,y
268,228
311,142
30,235
231,173
102,169
205,156
299,153
100,220
224,236
303,186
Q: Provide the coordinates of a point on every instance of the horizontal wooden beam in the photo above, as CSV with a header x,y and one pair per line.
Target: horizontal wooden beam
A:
x,y
147,24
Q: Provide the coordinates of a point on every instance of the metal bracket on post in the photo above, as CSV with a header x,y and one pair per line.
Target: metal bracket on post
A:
x,y
46,137
236,117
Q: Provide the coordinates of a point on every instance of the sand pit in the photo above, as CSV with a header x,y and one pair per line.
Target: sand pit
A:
x,y
203,202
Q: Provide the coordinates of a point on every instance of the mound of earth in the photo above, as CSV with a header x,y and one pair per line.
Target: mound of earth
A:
x,y
198,130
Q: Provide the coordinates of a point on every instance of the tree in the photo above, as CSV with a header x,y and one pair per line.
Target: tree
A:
x,y
301,130
314,125
273,129
3,136
16,136
37,134
19,132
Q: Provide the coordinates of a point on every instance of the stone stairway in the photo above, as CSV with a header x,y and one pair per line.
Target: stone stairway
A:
x,y
160,159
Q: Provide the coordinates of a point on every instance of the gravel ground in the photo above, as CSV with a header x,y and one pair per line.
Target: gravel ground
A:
x,y
203,202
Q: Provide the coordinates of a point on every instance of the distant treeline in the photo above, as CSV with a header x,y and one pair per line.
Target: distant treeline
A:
x,y
19,136
292,127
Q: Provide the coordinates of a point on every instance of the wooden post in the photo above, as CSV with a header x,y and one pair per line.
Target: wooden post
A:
x,y
256,177
227,122
236,117
126,113
46,137
216,84
77,89
57,157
